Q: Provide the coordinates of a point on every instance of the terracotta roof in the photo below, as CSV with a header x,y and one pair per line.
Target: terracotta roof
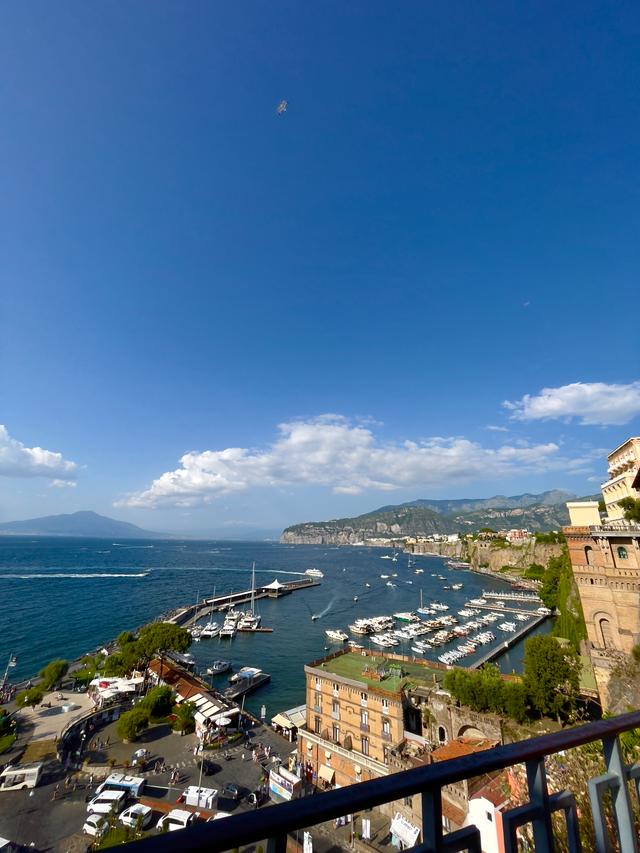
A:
x,y
453,813
494,791
461,746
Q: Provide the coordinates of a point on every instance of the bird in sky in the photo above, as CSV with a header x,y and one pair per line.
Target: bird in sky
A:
x,y
282,107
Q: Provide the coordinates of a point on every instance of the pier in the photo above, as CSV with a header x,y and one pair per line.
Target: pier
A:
x,y
188,616
496,608
511,640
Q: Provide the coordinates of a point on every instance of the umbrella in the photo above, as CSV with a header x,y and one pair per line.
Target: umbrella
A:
x,y
223,721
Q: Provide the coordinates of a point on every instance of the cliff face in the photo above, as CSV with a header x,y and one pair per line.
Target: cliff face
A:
x,y
481,555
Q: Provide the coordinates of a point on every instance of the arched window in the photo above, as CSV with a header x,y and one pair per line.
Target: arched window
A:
x,y
606,634
442,734
622,552
588,555
591,581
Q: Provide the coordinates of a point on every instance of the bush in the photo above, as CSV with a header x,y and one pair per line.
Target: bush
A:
x,y
31,697
53,673
485,690
535,572
551,675
132,722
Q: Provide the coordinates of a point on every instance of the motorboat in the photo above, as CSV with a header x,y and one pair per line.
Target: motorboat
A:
x,y
353,645
405,616
211,629
355,597
390,584
456,586
218,667
336,635
384,577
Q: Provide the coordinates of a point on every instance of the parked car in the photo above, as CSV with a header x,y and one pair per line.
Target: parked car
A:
x,y
231,791
137,815
96,825
176,819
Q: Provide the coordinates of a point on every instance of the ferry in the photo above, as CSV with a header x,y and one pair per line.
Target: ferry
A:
x,y
248,679
512,596
314,573
337,635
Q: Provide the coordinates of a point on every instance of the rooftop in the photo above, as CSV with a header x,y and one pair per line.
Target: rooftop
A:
x,y
351,665
461,746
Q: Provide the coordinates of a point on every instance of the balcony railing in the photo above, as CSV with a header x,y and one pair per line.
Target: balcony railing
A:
x,y
385,735
364,727
275,824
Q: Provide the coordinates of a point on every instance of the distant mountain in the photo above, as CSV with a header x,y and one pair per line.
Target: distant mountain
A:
x,y
85,523
546,511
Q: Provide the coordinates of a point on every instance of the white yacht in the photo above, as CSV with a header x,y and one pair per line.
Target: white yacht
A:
x,y
211,629
336,635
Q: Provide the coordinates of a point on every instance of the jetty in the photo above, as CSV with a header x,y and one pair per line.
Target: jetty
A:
x,y
496,608
188,616
504,645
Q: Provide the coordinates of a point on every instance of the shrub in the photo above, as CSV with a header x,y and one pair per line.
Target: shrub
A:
x,y
185,717
535,572
132,722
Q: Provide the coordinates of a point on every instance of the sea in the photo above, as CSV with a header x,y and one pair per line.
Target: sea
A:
x,y
61,598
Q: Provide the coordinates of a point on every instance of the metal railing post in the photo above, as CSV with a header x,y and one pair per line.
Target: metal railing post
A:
x,y
620,795
277,844
431,820
539,797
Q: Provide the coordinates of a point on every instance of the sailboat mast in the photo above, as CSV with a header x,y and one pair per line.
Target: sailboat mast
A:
x,y
253,588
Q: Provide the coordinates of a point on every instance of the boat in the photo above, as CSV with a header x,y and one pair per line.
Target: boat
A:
x,y
390,584
211,629
456,586
218,667
419,571
385,576
353,645
386,557
355,597
336,635
314,573
395,557
230,625
250,621
368,584
246,680
406,616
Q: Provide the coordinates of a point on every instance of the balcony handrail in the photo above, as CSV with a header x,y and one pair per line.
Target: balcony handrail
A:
x,y
256,826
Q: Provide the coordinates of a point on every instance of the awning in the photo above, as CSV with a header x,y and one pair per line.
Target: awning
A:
x,y
326,773
200,718
282,721
405,831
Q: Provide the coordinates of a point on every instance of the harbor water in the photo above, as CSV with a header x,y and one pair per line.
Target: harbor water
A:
x,y
64,597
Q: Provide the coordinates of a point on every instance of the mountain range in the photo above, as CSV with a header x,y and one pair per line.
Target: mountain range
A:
x,y
546,511
85,523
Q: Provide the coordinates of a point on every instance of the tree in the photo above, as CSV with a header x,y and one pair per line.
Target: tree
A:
x,y
185,717
535,572
31,697
551,676
53,672
551,581
631,507
158,701
162,637
132,722
124,638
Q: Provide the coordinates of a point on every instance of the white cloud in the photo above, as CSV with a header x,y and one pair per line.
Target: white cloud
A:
x,y
493,428
594,403
330,451
16,460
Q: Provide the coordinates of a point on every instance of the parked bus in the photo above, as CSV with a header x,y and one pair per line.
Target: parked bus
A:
x,y
132,785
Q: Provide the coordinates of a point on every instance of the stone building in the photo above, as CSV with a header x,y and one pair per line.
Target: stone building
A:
x,y
605,558
369,715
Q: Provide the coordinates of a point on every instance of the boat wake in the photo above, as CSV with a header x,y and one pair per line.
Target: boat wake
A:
x,y
74,575
325,611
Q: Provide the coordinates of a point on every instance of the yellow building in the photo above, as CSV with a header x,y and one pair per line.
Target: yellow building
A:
x,y
624,477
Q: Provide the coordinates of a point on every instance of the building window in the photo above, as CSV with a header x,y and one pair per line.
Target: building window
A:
x,y
364,718
408,801
489,817
622,552
385,705
317,722
336,688
365,746
363,698
588,555
385,754
317,683
335,707
386,727
336,733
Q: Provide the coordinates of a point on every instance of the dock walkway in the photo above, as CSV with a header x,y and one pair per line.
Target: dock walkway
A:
x,y
511,640
188,616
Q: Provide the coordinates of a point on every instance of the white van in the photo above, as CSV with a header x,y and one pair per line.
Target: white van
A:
x,y
133,785
20,776
176,819
107,802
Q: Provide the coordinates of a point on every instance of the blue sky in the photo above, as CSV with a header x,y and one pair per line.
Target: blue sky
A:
x,y
444,219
